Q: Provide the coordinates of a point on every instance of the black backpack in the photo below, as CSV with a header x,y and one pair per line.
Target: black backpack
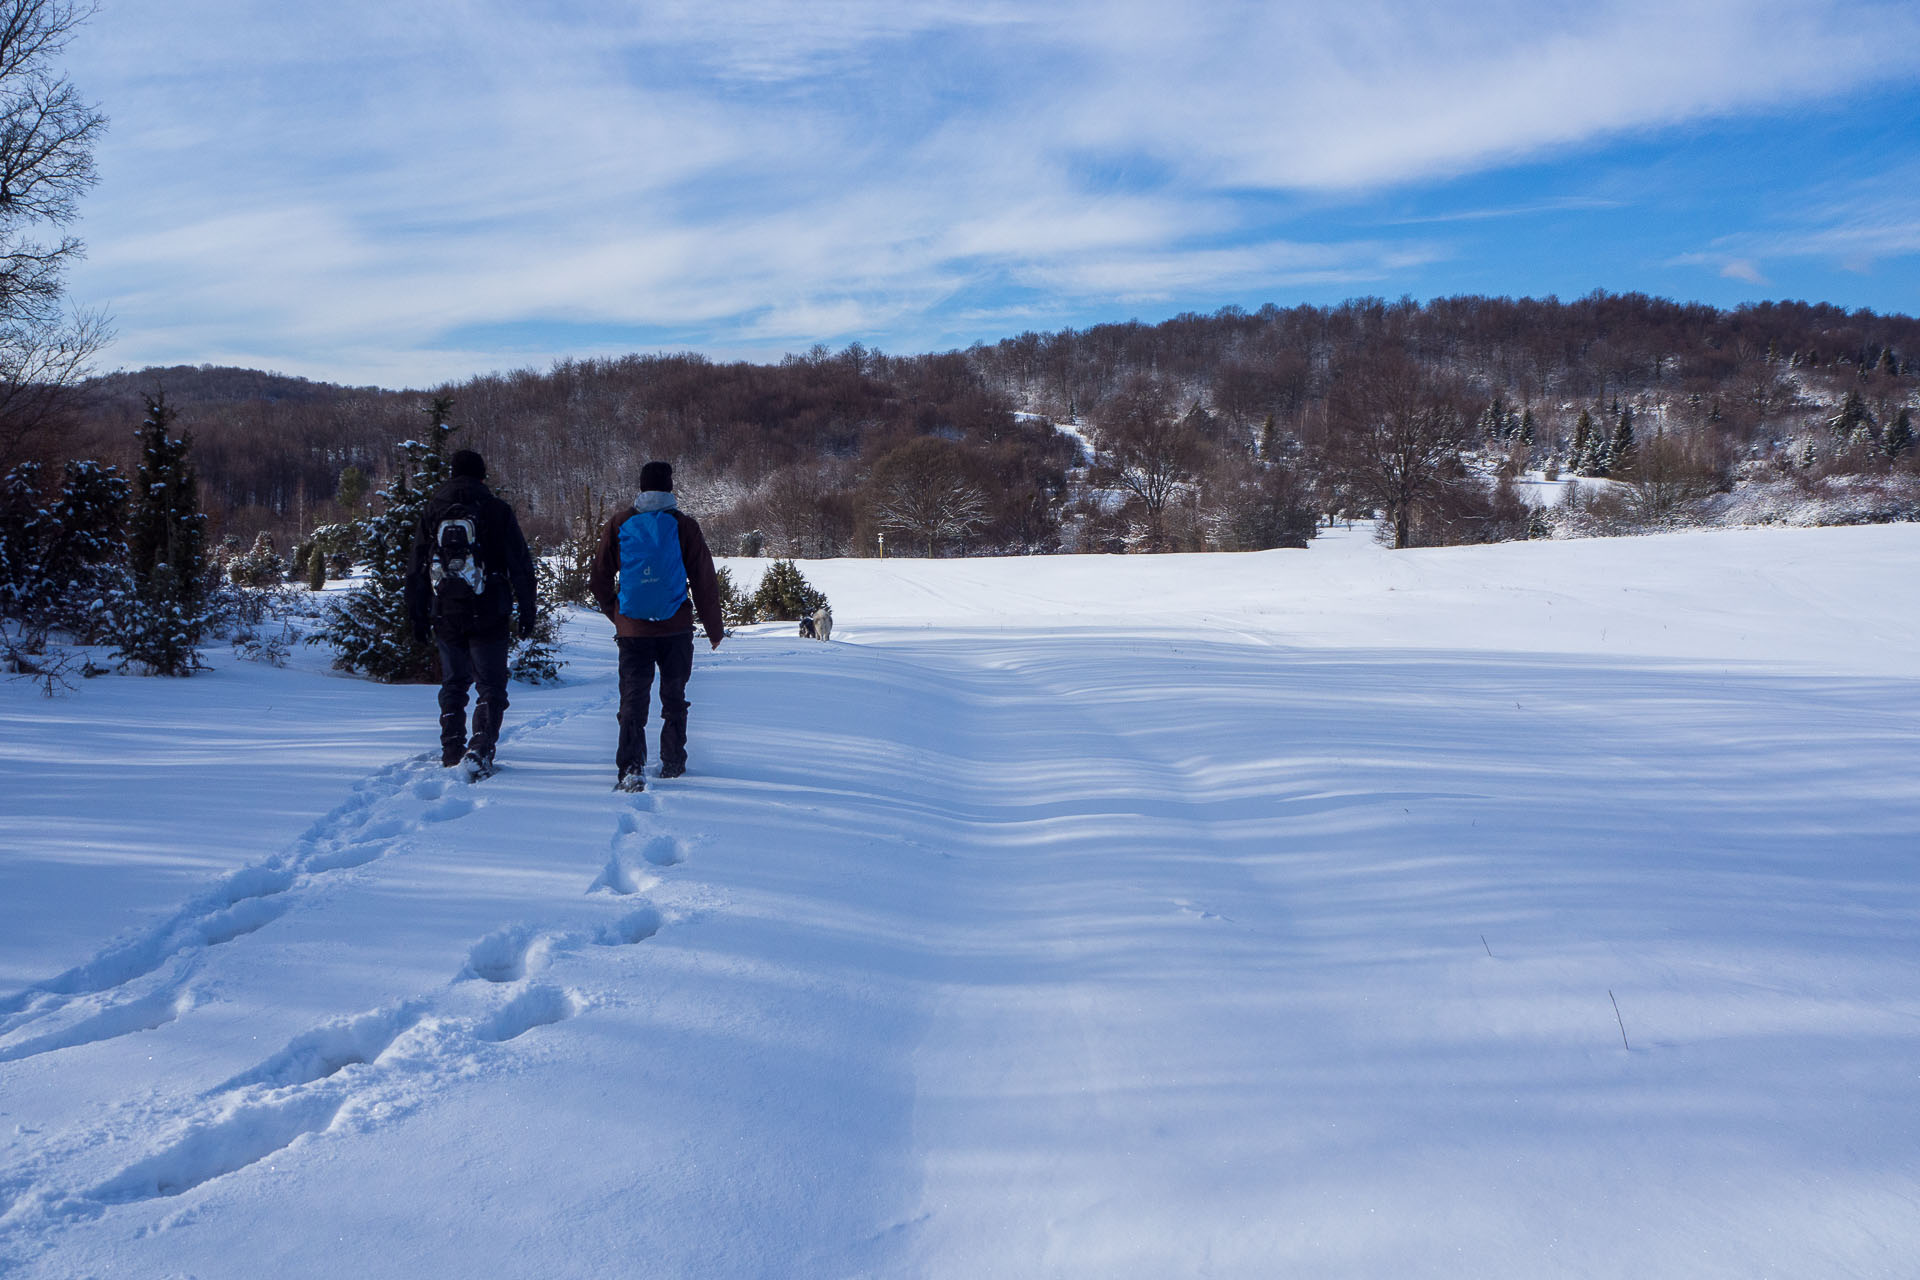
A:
x,y
458,570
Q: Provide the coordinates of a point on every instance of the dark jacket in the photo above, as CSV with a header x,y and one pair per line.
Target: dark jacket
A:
x,y
503,549
703,584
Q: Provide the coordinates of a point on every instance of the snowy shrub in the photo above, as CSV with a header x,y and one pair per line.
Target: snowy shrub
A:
x,y
736,607
784,594
259,566
270,646
1835,500
1465,510
575,555
157,624
536,659
59,560
1269,510
1594,510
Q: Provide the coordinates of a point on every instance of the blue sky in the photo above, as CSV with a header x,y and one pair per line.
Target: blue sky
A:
x,y
369,196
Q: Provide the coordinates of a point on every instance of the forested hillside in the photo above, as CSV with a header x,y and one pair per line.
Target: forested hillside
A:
x,y
1229,430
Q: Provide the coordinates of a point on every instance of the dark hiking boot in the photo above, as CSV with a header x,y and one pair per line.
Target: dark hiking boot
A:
x,y
451,756
476,766
672,770
631,781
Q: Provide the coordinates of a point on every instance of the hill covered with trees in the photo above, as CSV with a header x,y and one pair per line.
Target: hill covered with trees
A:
x,y
1224,431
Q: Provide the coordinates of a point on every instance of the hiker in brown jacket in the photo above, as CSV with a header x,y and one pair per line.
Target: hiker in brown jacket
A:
x,y
650,575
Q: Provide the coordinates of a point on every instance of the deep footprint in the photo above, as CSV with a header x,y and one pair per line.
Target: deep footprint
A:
x,y
346,857
240,919
328,1050
244,1135
635,926
507,955
147,1013
620,876
663,851
534,1007
384,829
454,806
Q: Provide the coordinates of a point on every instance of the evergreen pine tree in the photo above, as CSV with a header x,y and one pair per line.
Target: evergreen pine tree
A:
x,y
161,616
785,593
1853,420
60,562
23,529
1493,423
1527,429
351,490
1620,449
1580,460
1269,439
89,519
1899,436
258,567
536,659
736,607
370,629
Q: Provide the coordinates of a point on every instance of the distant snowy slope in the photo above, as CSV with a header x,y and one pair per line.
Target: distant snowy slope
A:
x,y
1839,599
1514,911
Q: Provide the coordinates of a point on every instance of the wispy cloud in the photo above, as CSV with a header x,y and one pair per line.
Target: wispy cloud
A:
x,y
1854,227
347,190
1534,208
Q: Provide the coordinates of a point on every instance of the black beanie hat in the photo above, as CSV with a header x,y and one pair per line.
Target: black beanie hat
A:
x,y
468,463
656,477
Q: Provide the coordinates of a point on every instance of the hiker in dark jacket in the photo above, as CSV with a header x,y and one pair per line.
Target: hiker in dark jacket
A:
x,y
465,603
650,595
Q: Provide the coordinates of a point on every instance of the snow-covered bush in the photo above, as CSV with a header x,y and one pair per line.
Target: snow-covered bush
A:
x,y
784,594
536,659
60,555
736,607
1832,500
259,566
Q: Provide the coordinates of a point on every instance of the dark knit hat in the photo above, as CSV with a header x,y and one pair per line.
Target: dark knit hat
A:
x,y
656,477
465,462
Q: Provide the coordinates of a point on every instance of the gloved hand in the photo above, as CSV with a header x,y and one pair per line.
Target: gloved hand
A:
x,y
526,626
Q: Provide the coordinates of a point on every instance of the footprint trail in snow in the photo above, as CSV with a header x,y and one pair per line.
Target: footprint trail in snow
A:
x,y
348,1074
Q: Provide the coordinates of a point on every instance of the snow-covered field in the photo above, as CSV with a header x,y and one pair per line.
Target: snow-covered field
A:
x,y
1257,915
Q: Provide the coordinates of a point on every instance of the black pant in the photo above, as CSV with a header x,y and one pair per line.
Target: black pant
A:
x,y
639,655
464,662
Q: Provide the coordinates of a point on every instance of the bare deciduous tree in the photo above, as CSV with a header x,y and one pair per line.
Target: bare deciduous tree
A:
x,y
921,489
47,135
1397,432
807,513
1666,475
1151,451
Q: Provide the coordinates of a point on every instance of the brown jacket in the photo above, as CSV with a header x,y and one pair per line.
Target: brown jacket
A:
x,y
703,586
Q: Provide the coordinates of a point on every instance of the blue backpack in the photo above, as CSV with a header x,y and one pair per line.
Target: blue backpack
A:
x,y
653,578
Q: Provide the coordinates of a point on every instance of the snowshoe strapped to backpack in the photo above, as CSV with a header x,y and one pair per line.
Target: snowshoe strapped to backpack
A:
x,y
457,571
653,578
